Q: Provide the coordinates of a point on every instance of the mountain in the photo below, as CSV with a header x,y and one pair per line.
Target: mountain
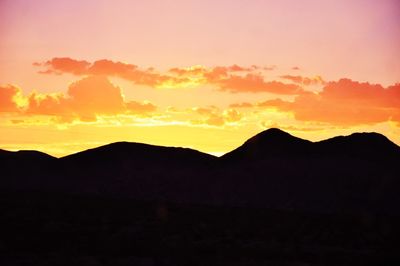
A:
x,y
25,169
137,154
273,143
24,155
269,143
355,173
364,145
134,170
272,169
275,200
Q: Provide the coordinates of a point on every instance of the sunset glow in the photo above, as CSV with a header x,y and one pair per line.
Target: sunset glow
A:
x,y
201,74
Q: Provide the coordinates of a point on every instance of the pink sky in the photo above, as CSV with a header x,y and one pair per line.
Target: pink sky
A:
x,y
343,38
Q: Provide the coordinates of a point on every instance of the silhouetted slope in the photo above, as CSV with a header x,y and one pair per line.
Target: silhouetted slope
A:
x,y
25,155
137,153
272,169
136,170
276,199
269,143
279,144
25,169
4,153
365,145
347,173
23,161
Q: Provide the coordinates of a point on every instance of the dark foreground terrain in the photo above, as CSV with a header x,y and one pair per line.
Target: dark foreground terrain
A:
x,y
276,200
62,230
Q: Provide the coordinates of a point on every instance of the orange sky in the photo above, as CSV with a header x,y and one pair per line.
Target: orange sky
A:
x,y
200,74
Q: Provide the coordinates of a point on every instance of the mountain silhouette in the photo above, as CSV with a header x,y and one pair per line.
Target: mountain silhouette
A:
x,y
271,142
24,155
272,169
277,143
366,145
276,199
137,154
25,169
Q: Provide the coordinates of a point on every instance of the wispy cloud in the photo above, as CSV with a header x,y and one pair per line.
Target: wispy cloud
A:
x,y
234,78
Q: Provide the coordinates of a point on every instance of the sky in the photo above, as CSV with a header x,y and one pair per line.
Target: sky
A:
x,y
200,74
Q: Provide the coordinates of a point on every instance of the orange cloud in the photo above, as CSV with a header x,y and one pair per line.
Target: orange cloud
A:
x,y
60,65
95,95
214,116
269,68
108,67
47,104
223,77
241,105
85,100
345,102
304,80
231,115
256,83
195,70
8,98
140,108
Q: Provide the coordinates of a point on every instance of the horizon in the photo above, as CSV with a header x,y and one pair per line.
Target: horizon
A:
x,y
216,155
202,75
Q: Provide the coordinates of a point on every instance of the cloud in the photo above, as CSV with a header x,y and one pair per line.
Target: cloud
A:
x,y
344,102
95,95
108,67
304,80
205,111
215,120
85,100
9,96
234,78
231,115
213,116
190,71
256,83
135,107
269,68
47,104
60,65
241,105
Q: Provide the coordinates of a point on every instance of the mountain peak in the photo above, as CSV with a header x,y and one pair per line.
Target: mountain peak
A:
x,y
274,130
273,134
270,142
365,144
27,154
273,137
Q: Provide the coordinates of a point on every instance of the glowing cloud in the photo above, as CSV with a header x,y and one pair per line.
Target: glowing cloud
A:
x,y
85,99
9,97
256,83
59,65
232,78
304,80
345,102
213,116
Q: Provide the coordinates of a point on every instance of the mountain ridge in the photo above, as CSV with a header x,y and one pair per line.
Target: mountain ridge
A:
x,y
271,170
272,134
